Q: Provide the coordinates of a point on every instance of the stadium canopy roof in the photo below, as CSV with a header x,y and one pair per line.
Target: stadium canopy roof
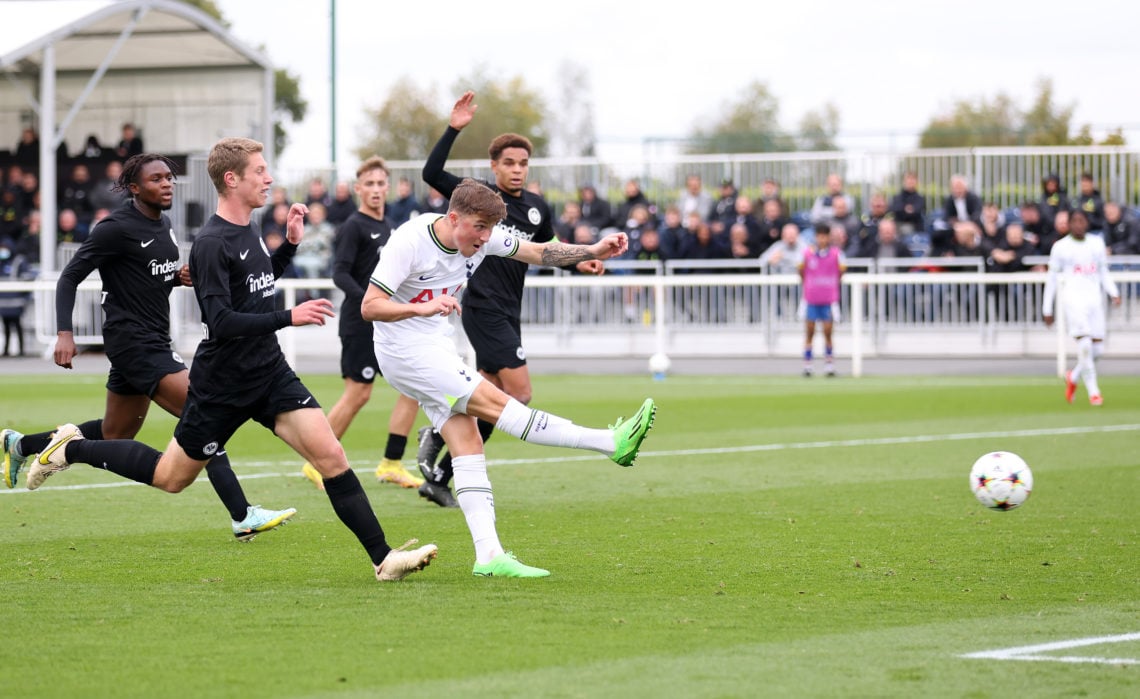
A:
x,y
43,38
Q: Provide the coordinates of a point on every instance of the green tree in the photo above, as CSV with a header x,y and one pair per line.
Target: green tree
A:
x,y
999,122
287,101
985,122
408,123
749,124
1046,124
819,129
405,126
572,131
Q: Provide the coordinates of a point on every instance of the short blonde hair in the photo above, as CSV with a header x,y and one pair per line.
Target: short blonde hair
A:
x,y
230,155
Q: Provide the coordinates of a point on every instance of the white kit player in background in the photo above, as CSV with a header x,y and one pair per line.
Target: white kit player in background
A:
x,y
1081,262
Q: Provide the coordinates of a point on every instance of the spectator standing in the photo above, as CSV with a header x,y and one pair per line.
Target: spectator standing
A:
x,y
317,193
405,205
634,197
724,208
342,205
960,205
12,303
567,221
821,269
992,228
434,202
770,191
1033,226
909,207
1091,202
596,211
1053,199
770,222
822,211
695,198
847,220
313,259
1059,230
130,144
76,194
672,232
69,230
104,193
27,154
869,225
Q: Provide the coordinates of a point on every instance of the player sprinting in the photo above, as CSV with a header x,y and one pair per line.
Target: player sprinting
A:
x,y
1081,262
413,289
136,253
357,248
239,372
820,269
492,303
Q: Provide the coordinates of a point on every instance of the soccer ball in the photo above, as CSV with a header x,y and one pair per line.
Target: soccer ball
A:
x,y
1001,480
659,364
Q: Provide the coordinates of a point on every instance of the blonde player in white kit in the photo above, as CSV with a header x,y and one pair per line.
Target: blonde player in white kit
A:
x,y
1080,260
422,269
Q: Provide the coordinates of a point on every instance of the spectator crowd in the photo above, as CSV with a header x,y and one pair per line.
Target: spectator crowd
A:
x,y
697,223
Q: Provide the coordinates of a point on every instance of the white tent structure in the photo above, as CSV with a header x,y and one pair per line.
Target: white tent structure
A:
x,y
74,68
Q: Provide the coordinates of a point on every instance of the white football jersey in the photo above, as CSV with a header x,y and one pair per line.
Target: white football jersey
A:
x,y
1083,265
416,267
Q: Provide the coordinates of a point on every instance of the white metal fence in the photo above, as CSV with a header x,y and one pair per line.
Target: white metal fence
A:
x,y
732,311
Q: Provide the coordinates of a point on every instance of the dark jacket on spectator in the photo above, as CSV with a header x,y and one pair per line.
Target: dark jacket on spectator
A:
x,y
1093,206
1123,237
915,216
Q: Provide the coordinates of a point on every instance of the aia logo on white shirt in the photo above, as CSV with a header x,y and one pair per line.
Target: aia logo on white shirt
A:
x,y
1085,269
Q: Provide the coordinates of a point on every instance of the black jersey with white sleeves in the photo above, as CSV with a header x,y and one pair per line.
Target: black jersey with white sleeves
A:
x,y
235,281
357,248
137,259
499,282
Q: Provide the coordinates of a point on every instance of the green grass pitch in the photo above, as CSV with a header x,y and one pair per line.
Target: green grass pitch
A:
x,y
778,537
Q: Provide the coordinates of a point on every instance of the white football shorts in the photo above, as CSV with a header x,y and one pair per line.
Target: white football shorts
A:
x,y
432,372
1084,317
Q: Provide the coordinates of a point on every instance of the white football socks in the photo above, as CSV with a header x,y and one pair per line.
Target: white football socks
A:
x,y
549,430
473,491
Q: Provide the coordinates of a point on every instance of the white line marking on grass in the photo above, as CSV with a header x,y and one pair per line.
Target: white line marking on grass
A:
x,y
826,444
1033,652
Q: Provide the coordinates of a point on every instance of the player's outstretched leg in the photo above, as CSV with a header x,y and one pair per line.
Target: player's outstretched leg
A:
x,y
13,459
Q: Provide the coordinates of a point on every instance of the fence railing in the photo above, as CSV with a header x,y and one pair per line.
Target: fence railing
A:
x,y
725,314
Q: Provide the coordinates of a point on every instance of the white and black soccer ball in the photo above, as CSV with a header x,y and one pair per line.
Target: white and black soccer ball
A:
x,y
1001,480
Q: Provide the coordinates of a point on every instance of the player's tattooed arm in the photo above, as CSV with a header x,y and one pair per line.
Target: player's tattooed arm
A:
x,y
556,254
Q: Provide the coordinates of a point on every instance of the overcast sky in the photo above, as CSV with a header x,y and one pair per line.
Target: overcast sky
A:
x,y
658,68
